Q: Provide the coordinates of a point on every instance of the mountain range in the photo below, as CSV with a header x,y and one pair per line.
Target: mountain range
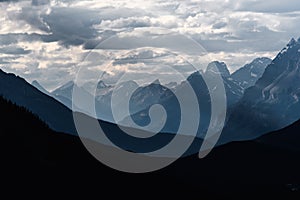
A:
x,y
39,147
235,84
247,76
272,103
20,92
254,110
156,93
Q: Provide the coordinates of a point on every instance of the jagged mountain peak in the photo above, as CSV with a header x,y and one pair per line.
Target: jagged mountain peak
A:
x,y
272,102
156,82
219,68
292,42
35,82
248,75
292,46
37,85
284,65
101,84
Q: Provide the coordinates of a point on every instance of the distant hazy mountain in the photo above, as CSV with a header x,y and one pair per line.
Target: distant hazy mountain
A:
x,y
52,112
103,89
220,68
151,94
171,85
64,94
64,90
37,85
155,93
273,102
234,92
250,73
104,97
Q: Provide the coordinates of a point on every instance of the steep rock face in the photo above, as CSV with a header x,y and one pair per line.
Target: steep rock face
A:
x,y
218,68
272,102
248,75
234,91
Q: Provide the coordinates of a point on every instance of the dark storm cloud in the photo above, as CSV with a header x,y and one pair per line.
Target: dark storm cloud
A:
x,y
72,26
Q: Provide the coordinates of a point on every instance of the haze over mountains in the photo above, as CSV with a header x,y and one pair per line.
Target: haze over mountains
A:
x,y
267,105
43,155
192,98
148,95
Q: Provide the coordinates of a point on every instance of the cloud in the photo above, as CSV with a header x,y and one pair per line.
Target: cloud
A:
x,y
219,25
71,26
40,2
271,6
42,39
13,50
9,0
130,22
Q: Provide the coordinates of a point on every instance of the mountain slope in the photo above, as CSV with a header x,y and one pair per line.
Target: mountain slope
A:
x,y
144,97
287,138
234,92
64,94
55,114
33,156
271,103
38,86
248,75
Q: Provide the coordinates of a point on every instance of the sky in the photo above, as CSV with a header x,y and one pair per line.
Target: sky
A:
x,y
51,40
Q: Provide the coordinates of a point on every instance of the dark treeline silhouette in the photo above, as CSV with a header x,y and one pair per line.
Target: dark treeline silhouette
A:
x,y
35,158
